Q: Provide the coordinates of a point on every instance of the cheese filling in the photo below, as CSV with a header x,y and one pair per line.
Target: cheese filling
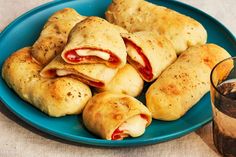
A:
x,y
63,72
134,126
134,54
83,79
97,53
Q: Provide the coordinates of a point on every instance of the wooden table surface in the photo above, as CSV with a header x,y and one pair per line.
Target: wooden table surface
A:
x,y
20,139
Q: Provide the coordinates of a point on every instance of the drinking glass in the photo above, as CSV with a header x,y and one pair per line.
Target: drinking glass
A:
x,y
223,100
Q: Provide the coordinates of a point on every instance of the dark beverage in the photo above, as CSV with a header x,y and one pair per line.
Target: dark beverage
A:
x,y
224,121
225,144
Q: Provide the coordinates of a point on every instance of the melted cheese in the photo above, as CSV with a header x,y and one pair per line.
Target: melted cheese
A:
x,y
63,72
97,53
134,54
134,126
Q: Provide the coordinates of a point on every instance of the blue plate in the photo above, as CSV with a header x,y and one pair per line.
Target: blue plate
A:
x,y
25,30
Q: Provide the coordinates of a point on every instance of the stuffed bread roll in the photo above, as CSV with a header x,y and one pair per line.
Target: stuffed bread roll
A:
x,y
116,116
149,52
56,97
54,35
94,40
139,15
184,82
96,75
126,81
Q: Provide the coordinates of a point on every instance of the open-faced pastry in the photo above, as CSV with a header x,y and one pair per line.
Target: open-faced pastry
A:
x,y
94,40
116,116
126,81
184,82
149,53
54,35
56,97
96,75
139,15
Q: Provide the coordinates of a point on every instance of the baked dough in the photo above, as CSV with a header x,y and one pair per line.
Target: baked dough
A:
x,y
56,97
126,81
139,15
149,52
96,75
115,116
54,35
184,82
94,40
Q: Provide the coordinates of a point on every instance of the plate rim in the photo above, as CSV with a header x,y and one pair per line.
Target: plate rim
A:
x,y
93,141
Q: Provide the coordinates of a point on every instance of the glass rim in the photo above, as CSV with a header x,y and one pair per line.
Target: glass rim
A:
x,y
212,71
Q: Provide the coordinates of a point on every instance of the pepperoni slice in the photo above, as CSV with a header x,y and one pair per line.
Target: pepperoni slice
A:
x,y
73,57
144,117
145,71
116,134
52,73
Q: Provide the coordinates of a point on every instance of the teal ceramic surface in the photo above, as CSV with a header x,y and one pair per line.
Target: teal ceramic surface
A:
x,y
25,30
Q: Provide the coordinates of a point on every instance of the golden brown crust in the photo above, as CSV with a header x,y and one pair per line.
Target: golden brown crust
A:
x,y
96,33
86,73
126,81
106,111
158,50
184,82
56,97
54,35
139,15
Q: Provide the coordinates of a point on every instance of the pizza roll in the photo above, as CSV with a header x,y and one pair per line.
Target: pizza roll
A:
x,y
56,97
54,35
139,15
184,82
116,116
126,81
94,40
96,75
149,53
